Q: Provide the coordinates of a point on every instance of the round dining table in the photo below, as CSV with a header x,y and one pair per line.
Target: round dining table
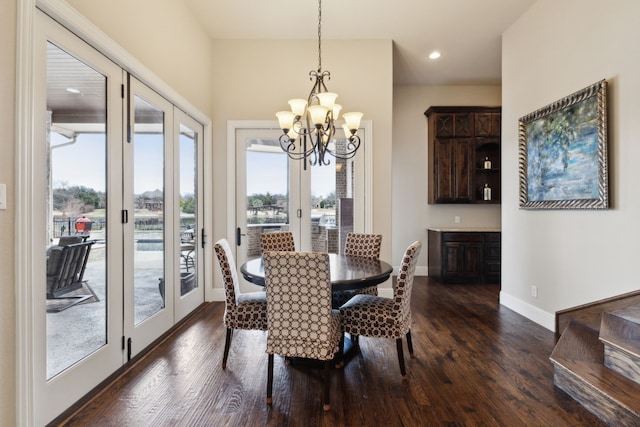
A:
x,y
347,272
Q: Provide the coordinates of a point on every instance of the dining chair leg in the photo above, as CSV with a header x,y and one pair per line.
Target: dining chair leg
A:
x,y
354,339
401,357
339,357
269,379
327,384
227,344
409,343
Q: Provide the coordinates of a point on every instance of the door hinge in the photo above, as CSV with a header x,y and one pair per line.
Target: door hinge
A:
x,y
125,216
122,91
202,238
129,349
123,342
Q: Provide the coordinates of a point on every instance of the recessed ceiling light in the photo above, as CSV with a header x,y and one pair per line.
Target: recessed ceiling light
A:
x,y
73,90
434,55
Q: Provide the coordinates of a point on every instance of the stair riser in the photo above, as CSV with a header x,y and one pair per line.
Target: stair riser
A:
x,y
622,362
592,399
623,332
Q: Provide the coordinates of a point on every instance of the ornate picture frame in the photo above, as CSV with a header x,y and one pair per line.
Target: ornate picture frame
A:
x,y
563,153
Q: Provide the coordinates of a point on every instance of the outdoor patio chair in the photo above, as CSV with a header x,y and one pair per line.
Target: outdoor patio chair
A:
x,y
66,263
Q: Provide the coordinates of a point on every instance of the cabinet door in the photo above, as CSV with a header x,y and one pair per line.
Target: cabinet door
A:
x,y
487,125
443,125
462,261
452,259
492,257
458,125
452,170
462,171
463,125
472,261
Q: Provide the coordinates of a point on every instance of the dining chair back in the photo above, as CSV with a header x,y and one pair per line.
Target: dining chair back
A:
x,y
361,245
374,316
242,311
277,241
300,320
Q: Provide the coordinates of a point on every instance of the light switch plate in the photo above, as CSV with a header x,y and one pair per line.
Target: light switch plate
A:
x,y
3,196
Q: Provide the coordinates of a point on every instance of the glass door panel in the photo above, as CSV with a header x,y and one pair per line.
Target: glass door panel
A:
x,y
267,198
332,205
189,156
76,144
148,213
188,209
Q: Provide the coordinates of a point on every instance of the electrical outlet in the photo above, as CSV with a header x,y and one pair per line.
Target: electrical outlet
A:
x,y
456,219
534,291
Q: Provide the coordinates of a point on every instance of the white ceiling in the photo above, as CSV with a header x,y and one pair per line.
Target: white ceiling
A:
x,y
467,32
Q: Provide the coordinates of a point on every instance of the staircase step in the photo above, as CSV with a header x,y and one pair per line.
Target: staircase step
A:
x,y
620,334
591,314
579,371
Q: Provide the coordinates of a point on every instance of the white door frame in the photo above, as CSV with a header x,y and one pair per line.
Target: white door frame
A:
x,y
363,221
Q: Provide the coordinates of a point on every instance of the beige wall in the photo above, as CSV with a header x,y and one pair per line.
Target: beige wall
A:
x,y
411,213
7,217
167,40
255,78
573,257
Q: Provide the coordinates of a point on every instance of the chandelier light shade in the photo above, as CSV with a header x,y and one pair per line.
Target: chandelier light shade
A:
x,y
309,128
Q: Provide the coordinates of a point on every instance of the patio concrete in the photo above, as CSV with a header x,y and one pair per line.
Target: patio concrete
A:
x,y
80,330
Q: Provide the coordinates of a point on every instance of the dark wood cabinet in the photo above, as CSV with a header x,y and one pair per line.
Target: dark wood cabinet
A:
x,y
492,257
453,167
464,256
462,142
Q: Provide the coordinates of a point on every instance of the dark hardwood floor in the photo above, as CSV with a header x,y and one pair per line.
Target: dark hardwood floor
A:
x,y
476,364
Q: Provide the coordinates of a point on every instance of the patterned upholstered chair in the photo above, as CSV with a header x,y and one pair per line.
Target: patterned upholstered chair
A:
x,y
379,317
277,241
242,311
359,245
300,319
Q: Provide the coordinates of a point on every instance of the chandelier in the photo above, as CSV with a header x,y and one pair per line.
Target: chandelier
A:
x,y
309,129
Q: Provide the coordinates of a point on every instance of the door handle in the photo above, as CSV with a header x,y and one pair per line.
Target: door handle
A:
x,y
239,236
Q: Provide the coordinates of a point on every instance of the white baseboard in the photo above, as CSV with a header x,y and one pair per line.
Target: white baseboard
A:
x,y
420,271
215,295
531,312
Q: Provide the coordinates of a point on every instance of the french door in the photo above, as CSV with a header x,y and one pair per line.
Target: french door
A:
x,y
78,322
319,204
148,213
118,192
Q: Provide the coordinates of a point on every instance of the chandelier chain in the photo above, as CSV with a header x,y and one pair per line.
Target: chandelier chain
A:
x,y
319,36
308,130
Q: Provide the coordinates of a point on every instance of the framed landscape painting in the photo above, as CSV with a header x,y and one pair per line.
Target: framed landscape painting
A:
x,y
563,153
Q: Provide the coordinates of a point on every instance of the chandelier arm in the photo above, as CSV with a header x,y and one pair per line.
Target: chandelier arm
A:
x,y
319,153
353,143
